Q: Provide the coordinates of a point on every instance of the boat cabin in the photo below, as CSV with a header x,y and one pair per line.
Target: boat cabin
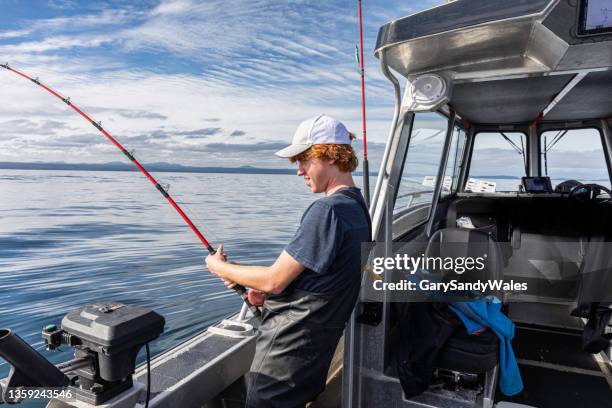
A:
x,y
502,134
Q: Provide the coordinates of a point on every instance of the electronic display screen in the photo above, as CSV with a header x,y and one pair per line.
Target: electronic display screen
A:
x,y
537,184
595,17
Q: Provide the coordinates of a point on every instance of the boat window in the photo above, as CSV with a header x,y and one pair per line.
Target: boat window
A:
x,y
415,190
574,154
499,160
453,164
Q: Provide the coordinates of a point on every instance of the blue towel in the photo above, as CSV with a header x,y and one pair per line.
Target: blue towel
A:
x,y
487,312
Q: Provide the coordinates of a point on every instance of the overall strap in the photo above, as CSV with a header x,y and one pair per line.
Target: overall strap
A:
x,y
349,193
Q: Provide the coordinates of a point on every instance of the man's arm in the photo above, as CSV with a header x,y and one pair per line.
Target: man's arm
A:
x,y
270,279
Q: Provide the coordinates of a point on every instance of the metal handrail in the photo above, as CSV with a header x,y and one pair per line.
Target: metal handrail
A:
x,y
382,173
409,206
413,193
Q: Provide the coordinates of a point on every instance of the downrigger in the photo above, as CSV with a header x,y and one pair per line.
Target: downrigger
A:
x,y
106,338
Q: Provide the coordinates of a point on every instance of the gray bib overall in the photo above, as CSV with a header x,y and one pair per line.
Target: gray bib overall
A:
x,y
298,337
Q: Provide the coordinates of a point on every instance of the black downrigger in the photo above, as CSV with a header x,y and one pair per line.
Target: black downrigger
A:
x,y
106,339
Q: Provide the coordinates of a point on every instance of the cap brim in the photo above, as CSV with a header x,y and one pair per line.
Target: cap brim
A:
x,y
292,150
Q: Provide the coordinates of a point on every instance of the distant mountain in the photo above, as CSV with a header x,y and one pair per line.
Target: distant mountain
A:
x,y
497,177
157,167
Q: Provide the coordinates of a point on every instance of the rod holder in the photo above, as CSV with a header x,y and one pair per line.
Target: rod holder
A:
x,y
28,367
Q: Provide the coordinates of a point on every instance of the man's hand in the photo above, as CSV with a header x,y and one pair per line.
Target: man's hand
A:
x,y
229,284
269,279
215,262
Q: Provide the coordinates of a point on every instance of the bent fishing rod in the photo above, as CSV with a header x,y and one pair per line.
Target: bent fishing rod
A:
x,y
241,290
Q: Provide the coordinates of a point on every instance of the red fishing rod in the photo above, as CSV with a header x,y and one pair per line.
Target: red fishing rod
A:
x,y
366,171
238,288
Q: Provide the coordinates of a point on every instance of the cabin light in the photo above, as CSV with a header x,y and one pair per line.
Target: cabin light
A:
x,y
426,93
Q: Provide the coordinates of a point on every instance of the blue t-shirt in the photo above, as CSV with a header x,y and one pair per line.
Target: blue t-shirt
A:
x,y
328,243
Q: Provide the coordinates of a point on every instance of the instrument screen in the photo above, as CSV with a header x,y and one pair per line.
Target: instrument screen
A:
x,y
595,17
537,184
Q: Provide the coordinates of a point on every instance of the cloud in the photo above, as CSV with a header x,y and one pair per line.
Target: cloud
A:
x,y
55,44
78,140
126,113
14,33
199,133
62,4
31,127
171,8
173,138
141,114
149,137
99,18
237,133
244,147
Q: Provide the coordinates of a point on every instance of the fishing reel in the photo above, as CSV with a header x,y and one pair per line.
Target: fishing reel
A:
x,y
106,339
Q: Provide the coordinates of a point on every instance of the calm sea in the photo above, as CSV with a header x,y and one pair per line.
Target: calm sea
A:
x,y
69,238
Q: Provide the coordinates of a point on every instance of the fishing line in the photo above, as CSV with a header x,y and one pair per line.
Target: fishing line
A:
x,y
98,125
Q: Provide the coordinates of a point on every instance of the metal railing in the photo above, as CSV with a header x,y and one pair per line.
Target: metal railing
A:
x,y
411,196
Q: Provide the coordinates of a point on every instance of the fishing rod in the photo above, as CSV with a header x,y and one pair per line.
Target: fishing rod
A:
x,y
366,172
241,290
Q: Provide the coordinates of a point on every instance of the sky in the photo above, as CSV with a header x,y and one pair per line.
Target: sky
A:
x,y
200,83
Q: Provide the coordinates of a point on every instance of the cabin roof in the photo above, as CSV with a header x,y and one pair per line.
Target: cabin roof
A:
x,y
505,61
453,16
522,100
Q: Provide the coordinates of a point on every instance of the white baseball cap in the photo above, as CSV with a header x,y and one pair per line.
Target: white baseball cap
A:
x,y
321,129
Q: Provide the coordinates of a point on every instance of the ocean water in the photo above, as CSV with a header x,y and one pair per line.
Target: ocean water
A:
x,y
69,238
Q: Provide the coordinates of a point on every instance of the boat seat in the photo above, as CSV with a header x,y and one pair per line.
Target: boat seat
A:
x,y
475,354
460,242
594,300
559,250
595,278
549,264
542,239
463,352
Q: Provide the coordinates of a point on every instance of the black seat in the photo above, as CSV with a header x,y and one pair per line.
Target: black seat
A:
x,y
460,242
594,300
432,337
463,352
470,353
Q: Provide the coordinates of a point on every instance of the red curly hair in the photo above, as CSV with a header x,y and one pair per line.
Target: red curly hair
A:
x,y
343,155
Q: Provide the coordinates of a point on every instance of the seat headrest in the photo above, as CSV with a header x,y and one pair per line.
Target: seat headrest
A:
x,y
463,243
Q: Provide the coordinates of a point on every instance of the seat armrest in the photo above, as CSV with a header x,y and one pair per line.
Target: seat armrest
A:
x,y
515,240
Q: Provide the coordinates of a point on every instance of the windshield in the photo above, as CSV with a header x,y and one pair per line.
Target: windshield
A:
x,y
498,162
574,154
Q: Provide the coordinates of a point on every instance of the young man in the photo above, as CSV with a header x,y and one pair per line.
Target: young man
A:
x,y
313,285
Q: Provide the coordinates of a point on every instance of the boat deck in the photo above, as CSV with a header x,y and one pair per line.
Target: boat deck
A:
x,y
557,373
197,370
